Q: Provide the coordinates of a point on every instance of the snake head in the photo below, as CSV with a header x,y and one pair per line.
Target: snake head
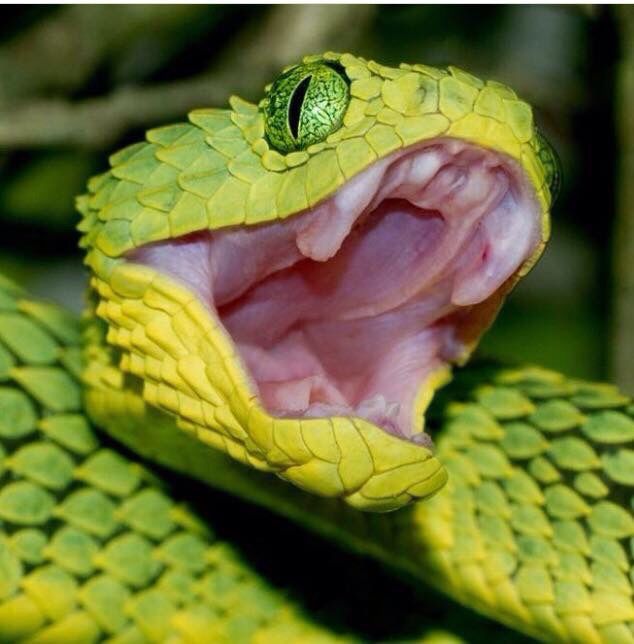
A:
x,y
289,282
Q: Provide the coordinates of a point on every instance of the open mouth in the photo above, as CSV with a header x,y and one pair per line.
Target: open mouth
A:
x,y
348,308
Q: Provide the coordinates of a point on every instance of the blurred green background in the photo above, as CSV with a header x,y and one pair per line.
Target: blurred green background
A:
x,y
77,82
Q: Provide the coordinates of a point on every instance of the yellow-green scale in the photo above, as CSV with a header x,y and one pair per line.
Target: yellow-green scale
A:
x,y
93,547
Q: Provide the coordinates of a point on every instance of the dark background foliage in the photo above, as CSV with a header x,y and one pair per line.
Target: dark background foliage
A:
x,y
77,82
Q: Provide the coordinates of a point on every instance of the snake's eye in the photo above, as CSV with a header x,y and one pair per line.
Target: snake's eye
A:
x,y
552,165
304,105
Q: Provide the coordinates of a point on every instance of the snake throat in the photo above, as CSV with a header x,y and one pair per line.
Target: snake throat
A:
x,y
348,308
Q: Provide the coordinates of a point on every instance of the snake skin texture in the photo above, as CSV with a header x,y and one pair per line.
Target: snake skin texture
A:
x,y
534,529
93,547
536,524
525,511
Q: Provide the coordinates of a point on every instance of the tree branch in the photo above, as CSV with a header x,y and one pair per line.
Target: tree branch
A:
x,y
60,52
287,33
623,313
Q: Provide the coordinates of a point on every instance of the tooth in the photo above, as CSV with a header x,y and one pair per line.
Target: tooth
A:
x,y
372,407
445,183
424,166
323,236
319,410
392,410
422,439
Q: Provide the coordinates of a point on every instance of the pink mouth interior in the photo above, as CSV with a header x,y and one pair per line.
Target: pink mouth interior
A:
x,y
347,308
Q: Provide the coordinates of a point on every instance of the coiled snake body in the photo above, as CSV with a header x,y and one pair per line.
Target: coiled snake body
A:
x,y
279,289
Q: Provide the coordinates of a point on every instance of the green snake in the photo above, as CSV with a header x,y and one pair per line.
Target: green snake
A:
x,y
277,295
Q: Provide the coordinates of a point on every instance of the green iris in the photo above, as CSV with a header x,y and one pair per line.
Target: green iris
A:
x,y
304,105
552,165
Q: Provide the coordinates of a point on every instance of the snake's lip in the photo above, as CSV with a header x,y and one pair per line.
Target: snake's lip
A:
x,y
356,306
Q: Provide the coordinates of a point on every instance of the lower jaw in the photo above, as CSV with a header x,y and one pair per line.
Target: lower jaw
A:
x,y
187,367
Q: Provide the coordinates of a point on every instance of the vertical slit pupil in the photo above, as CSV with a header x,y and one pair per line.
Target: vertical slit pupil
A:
x,y
295,106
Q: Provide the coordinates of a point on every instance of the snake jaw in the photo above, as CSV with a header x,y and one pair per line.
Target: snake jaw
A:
x,y
316,348
344,309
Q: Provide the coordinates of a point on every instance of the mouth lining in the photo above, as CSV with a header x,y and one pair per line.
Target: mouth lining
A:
x,y
348,308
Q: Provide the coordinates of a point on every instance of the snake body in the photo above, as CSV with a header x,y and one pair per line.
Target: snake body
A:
x,y
93,547
526,510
